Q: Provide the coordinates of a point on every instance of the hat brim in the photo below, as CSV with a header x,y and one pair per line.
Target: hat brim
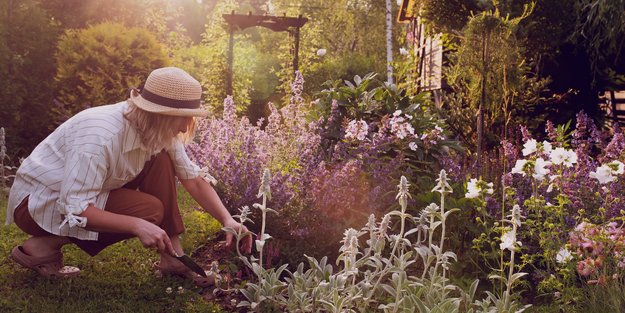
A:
x,y
149,106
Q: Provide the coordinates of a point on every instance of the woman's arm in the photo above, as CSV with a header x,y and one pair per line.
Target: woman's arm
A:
x,y
150,235
208,199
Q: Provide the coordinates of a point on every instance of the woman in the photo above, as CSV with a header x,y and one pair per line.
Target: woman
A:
x,y
109,173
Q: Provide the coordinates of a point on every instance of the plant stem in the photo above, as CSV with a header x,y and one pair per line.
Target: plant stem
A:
x,y
262,229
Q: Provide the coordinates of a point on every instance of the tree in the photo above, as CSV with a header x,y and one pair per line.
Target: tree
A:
x,y
490,79
99,64
26,71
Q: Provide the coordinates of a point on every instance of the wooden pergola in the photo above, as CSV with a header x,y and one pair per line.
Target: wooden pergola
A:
x,y
237,22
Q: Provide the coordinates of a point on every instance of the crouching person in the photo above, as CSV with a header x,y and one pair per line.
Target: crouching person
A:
x,y
109,174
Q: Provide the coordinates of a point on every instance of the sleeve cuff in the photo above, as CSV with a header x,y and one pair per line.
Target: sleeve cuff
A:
x,y
73,221
72,209
207,177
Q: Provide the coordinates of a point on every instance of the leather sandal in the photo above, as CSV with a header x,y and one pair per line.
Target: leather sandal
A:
x,y
184,272
50,266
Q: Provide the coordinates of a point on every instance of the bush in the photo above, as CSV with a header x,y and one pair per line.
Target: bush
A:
x,y
98,65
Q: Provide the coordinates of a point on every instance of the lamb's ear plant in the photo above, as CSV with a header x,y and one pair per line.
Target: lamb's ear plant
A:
x,y
403,272
266,293
505,302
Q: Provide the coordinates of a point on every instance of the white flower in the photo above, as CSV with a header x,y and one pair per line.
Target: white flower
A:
x,y
472,190
413,146
530,147
476,188
603,174
518,167
400,128
571,158
168,290
563,256
508,241
321,52
557,155
540,169
403,51
547,147
617,167
563,156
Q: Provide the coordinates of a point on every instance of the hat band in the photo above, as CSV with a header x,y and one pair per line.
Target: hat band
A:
x,y
168,102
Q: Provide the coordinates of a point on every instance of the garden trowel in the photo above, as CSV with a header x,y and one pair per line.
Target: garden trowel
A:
x,y
188,262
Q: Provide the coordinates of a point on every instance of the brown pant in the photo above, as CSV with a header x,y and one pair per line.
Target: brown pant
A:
x,y
151,196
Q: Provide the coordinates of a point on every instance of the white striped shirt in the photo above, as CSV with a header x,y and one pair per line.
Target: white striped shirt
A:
x,y
89,155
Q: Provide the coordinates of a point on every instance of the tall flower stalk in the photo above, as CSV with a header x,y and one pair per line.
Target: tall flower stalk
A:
x,y
3,154
264,192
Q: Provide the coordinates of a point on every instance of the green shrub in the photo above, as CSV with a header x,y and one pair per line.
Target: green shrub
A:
x,y
97,65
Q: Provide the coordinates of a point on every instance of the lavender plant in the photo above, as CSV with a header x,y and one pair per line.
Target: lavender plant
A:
x,y
312,181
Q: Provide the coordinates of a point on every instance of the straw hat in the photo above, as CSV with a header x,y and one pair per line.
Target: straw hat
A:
x,y
170,91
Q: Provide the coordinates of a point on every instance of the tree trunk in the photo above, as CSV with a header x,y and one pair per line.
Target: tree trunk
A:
x,y
389,42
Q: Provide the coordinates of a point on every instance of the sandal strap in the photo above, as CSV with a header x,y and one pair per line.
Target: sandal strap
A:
x,y
36,261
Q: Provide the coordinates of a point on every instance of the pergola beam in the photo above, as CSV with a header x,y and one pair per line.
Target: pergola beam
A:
x,y
237,22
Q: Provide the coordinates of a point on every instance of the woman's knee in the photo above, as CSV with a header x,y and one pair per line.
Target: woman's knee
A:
x,y
155,210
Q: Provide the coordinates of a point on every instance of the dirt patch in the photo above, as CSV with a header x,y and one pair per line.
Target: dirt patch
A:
x,y
232,274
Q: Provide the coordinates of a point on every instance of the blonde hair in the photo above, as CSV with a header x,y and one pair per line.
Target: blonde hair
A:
x,y
157,131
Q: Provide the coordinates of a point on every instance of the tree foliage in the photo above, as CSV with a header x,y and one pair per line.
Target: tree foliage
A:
x,y
26,71
489,69
97,65
600,29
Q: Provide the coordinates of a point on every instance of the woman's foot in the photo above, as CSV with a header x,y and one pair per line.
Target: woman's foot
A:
x,y
44,246
50,266
182,271
169,265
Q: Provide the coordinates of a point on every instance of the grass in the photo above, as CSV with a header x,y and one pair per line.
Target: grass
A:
x,y
119,279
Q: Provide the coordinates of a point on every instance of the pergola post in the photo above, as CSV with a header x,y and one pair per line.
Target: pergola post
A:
x,y
230,69
296,56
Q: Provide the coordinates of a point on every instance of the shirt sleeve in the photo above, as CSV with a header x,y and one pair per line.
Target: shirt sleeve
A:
x,y
184,167
82,183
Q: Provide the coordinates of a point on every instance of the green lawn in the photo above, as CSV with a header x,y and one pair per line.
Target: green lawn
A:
x,y
120,279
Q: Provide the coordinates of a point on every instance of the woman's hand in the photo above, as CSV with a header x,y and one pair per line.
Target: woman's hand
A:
x,y
206,196
246,242
152,236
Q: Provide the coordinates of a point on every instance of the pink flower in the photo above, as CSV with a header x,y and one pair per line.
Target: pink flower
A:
x,y
357,130
586,267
